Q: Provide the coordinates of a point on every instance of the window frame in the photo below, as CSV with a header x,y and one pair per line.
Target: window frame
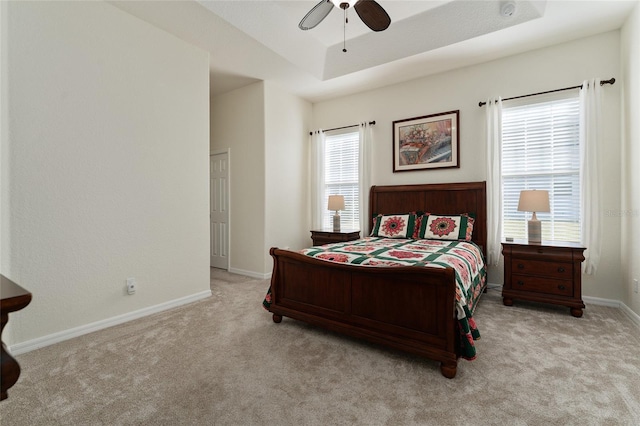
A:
x,y
563,223
349,186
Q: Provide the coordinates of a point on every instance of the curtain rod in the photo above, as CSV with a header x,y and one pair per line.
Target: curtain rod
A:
x,y
602,82
371,123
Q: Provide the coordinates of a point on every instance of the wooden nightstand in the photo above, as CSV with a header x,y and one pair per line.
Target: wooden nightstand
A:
x,y
13,298
549,272
327,236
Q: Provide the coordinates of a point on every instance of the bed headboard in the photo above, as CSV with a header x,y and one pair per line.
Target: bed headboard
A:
x,y
440,198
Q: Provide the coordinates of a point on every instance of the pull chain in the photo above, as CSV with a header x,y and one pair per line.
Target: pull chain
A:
x,y
344,32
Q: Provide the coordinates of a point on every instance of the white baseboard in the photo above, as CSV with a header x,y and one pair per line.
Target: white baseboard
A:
x,y
614,304
41,342
493,285
250,274
602,302
632,315
598,301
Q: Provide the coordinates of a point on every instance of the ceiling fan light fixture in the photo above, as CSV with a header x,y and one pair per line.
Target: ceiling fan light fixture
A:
x,y
339,3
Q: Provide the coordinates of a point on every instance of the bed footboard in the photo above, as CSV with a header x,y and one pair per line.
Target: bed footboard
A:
x,y
407,308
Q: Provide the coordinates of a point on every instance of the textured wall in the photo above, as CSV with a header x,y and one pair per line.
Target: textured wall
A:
x,y
630,219
288,121
107,168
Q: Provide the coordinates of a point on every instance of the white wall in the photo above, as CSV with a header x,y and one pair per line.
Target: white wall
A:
x,y
4,132
630,220
555,67
288,120
106,175
237,124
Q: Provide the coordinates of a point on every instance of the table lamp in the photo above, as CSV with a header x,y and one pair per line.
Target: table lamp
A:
x,y
336,203
534,201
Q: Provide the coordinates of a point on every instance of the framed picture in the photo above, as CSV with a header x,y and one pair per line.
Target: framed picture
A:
x,y
429,142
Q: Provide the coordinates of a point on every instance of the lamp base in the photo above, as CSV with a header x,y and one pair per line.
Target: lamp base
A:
x,y
336,222
534,231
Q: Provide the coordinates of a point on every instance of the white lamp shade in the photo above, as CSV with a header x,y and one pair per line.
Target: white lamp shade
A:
x,y
534,201
336,202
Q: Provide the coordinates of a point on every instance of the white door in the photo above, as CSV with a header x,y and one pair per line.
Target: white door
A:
x,y
219,209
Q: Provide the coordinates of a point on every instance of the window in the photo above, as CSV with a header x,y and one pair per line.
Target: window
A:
x,y
341,177
541,150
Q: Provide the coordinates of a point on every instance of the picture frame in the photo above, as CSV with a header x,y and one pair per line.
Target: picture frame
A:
x,y
427,142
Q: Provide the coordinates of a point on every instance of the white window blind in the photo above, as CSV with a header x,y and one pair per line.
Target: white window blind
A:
x,y
341,177
541,150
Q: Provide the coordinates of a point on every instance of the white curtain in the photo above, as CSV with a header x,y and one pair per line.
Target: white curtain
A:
x,y
590,137
494,179
364,176
317,178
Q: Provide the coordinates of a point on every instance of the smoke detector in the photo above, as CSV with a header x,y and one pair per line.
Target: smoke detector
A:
x,y
508,8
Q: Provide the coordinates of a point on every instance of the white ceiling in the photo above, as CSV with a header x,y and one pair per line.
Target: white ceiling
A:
x,y
260,40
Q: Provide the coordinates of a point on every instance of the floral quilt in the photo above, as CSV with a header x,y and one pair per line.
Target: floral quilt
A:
x,y
464,257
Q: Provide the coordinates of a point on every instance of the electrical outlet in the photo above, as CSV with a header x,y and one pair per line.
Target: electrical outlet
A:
x,y
635,285
132,285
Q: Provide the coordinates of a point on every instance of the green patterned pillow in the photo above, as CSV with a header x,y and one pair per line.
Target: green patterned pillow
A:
x,y
394,225
446,227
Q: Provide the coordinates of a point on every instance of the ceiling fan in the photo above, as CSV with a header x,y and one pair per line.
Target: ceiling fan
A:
x,y
371,13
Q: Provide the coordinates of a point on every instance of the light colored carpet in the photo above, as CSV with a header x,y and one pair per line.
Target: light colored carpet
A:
x,y
222,361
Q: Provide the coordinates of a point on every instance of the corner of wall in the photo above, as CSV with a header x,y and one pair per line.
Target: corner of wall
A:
x,y
4,136
630,100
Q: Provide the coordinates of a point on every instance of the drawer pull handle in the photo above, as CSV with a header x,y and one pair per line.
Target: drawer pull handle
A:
x,y
561,287
520,282
520,266
561,269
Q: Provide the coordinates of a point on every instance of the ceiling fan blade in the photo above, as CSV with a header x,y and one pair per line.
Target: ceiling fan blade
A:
x,y
316,15
373,15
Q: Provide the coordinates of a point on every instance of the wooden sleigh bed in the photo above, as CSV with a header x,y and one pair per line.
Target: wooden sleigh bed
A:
x,y
403,307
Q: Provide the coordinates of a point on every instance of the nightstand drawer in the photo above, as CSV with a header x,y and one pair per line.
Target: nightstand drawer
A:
x,y
542,253
561,271
542,285
333,236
